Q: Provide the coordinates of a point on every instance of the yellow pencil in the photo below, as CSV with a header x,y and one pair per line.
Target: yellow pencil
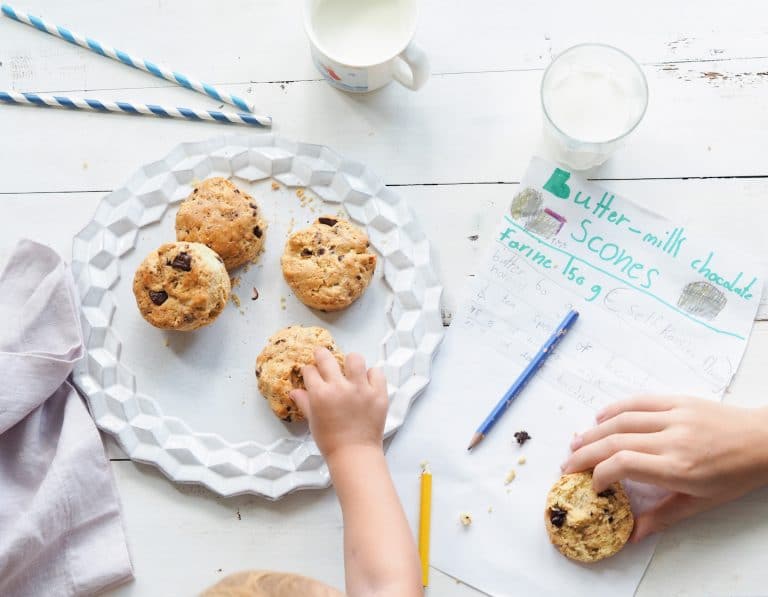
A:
x,y
425,516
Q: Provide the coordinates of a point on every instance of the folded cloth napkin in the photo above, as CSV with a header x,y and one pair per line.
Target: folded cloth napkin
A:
x,y
61,531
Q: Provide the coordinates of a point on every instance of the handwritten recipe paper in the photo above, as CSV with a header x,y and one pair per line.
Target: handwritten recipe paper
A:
x,y
662,311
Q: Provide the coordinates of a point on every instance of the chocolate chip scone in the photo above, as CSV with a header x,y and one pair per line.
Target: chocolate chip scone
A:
x,y
328,265
181,286
278,366
584,525
224,218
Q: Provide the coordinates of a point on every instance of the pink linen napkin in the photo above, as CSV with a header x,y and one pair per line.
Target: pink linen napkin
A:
x,y
61,531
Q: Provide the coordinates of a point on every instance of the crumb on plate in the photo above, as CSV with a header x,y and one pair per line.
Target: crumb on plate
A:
x,y
465,518
521,460
510,477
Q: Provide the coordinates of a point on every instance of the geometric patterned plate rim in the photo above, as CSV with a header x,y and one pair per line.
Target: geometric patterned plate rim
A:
x,y
185,455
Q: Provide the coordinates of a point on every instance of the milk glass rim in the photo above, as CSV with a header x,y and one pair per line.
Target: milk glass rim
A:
x,y
309,30
631,60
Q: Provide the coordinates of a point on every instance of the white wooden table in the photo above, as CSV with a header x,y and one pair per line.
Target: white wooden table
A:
x,y
456,149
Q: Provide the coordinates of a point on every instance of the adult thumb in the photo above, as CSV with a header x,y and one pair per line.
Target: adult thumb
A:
x,y
301,398
667,512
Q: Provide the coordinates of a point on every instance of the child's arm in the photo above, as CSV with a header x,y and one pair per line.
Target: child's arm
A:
x,y
706,453
346,416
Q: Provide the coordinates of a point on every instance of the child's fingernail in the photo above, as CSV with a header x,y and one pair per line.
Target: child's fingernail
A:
x,y
576,443
564,466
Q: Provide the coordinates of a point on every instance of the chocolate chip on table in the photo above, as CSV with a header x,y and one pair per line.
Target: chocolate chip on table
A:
x,y
158,296
182,261
306,252
522,437
607,493
557,517
254,294
257,232
327,221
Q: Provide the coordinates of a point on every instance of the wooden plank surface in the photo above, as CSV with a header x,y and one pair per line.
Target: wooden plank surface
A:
x,y
242,41
477,127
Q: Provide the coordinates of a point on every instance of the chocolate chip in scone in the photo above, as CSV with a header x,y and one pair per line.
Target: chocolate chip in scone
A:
x,y
557,517
606,493
297,379
257,232
610,519
195,191
237,191
258,373
306,252
321,251
182,261
522,437
341,257
253,206
327,221
158,296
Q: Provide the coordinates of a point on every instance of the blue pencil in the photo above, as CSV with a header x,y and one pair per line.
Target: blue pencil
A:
x,y
524,378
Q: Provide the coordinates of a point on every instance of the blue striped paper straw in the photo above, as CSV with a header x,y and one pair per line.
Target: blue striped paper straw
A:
x,y
125,58
93,105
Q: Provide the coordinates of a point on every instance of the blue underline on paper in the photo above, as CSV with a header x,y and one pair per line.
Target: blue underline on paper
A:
x,y
615,277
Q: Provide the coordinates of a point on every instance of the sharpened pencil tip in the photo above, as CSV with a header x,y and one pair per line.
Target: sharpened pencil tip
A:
x,y
475,440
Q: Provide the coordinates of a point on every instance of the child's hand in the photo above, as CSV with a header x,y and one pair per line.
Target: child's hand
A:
x,y
705,452
343,411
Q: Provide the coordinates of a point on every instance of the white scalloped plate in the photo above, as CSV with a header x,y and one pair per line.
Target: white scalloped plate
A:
x,y
188,402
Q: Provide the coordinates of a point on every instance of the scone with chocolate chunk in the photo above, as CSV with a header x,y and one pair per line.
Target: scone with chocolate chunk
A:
x,y
328,265
278,366
224,218
181,286
584,525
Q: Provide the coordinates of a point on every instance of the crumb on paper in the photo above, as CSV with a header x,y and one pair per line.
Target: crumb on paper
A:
x,y
521,460
234,281
283,305
490,509
167,341
465,518
254,293
510,477
300,193
521,437
275,185
85,165
235,300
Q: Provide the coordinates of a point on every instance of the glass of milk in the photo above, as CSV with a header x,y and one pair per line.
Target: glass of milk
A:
x,y
593,97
